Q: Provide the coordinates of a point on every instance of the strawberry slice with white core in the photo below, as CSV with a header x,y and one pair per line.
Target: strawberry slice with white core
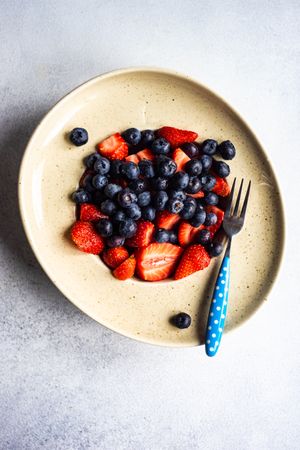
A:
x,y
157,261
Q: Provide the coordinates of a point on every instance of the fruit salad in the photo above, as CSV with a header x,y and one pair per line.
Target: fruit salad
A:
x,y
150,203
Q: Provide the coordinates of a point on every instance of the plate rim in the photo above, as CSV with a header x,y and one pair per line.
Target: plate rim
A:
x,y
199,84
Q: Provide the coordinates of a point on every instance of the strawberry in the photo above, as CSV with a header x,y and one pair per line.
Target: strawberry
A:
x,y
126,269
177,137
187,233
113,257
143,235
90,213
86,238
113,147
166,220
221,187
199,194
180,158
193,259
157,261
220,215
132,158
145,154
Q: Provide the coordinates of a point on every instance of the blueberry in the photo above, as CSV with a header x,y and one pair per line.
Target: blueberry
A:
x,y
181,320
199,206
138,185
194,185
206,162
146,168
118,216
215,249
144,198
147,138
159,200
227,150
99,181
174,206
190,149
127,228
132,136
189,208
86,183
102,165
166,168
81,196
108,207
222,169
160,146
90,160
115,167
148,213
161,235
126,198
134,212
198,219
193,167
111,190
204,237
176,193
79,136
104,227
173,239
208,182
130,170
180,180
211,219
211,198
159,184
115,241
209,147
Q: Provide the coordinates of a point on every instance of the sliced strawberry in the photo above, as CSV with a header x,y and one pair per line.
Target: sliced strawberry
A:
x,y
126,269
193,259
157,261
145,154
177,137
187,233
166,220
133,158
90,213
113,257
199,194
86,238
114,147
180,158
220,215
143,235
221,187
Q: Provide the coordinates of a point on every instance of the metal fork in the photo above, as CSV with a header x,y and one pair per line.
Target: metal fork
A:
x,y
232,224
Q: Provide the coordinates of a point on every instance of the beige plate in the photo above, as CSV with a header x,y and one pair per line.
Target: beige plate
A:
x,y
51,168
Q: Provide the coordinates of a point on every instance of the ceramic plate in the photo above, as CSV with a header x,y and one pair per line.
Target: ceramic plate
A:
x,y
51,168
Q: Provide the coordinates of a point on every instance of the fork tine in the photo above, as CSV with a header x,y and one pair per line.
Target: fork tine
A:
x,y
236,208
229,202
244,208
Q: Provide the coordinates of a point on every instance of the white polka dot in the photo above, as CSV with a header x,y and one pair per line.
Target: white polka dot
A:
x,y
211,349
225,303
217,288
211,314
209,327
220,275
226,289
220,295
216,321
208,341
223,281
217,343
223,316
220,329
214,300
225,269
214,335
218,308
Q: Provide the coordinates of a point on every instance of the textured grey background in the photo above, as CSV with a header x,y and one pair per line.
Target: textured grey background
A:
x,y
65,381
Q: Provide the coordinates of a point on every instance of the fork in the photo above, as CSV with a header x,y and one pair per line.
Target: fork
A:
x,y
232,224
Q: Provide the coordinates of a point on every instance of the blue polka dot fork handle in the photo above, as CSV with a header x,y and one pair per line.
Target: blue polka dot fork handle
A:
x,y
232,224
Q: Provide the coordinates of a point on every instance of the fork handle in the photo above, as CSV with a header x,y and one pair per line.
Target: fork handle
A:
x,y
218,309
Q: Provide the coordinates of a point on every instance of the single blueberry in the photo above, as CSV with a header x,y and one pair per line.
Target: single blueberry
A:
x,y
204,237
159,183
189,208
102,166
174,206
161,235
198,219
115,167
173,238
194,185
147,138
99,181
130,170
126,198
191,149
127,228
81,196
181,320
206,162
176,193
211,198
208,182
108,207
104,227
134,212
166,168
193,167
146,168
159,200
180,180
211,219
132,136
148,213
160,146
138,185
209,147
90,160
111,190
227,150
79,136
215,249
222,169
144,198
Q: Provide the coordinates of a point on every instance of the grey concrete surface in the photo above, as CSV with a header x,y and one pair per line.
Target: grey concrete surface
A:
x,y
65,381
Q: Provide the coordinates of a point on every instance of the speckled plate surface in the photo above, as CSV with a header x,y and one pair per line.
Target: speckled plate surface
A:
x,y
51,168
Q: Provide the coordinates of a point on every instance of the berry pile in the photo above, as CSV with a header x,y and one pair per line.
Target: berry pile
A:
x,y
147,201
